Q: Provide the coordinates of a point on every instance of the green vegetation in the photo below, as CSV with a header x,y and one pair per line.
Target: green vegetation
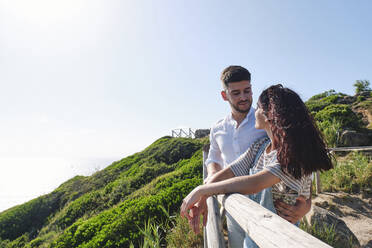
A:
x,y
323,232
109,208
361,85
340,113
182,236
351,174
335,112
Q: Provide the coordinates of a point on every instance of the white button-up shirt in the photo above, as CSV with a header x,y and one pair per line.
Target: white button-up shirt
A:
x,y
228,142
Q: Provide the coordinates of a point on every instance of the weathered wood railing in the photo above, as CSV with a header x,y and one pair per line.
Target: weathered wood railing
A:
x,y
264,227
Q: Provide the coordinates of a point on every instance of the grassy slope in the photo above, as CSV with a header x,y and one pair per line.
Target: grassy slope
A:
x,y
106,207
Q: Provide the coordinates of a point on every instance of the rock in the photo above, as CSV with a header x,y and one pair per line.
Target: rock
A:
x,y
366,93
354,138
200,133
346,100
368,245
322,217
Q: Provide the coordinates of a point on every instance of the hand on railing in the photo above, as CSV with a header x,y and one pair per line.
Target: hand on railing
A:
x,y
193,206
200,209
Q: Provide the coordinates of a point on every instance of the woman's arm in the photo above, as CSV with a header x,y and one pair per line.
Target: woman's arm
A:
x,y
244,184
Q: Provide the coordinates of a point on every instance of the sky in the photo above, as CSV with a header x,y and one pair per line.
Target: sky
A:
x,y
100,80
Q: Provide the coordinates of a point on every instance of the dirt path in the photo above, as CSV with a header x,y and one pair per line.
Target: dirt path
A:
x,y
355,210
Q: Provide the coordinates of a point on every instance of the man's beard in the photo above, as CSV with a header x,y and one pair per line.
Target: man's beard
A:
x,y
236,107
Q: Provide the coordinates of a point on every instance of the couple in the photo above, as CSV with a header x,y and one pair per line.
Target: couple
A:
x,y
274,163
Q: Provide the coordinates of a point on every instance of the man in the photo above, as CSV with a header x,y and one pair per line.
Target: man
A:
x,y
231,137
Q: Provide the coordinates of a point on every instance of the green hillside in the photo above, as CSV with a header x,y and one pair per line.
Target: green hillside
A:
x,y
344,120
110,208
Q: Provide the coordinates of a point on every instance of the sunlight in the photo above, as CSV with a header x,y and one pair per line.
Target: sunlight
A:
x,y
44,12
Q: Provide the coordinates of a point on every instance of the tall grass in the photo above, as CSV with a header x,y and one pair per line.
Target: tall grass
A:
x,y
331,131
352,174
182,236
173,232
323,232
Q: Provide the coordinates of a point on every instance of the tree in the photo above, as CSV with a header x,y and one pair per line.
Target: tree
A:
x,y
361,85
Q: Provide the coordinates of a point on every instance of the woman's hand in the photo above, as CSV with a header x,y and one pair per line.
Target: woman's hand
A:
x,y
190,200
199,209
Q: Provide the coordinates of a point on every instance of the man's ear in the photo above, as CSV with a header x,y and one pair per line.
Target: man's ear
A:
x,y
224,96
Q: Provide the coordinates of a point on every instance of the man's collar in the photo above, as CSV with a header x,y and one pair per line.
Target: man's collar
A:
x,y
246,118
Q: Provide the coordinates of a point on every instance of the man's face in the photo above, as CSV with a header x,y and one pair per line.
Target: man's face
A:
x,y
239,95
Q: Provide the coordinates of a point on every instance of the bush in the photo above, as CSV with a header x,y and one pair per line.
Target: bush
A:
x,y
322,95
340,113
361,85
331,131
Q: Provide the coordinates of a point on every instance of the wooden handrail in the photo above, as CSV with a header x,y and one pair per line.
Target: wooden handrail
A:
x,y
263,226
346,149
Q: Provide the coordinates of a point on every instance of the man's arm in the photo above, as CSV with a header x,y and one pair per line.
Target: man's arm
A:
x,y
212,168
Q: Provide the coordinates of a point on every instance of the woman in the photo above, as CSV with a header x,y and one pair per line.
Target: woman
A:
x,y
284,162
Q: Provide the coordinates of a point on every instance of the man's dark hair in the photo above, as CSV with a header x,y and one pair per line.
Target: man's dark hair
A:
x,y
234,73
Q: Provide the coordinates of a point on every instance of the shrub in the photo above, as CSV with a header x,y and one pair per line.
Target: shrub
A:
x,y
331,131
361,85
341,113
322,95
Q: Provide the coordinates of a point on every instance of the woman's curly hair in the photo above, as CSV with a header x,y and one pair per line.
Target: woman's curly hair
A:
x,y
300,146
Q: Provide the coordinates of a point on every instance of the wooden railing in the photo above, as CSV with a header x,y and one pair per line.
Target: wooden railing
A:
x,y
263,226
351,149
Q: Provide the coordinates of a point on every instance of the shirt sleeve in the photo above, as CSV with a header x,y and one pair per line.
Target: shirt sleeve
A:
x,y
241,166
302,185
214,154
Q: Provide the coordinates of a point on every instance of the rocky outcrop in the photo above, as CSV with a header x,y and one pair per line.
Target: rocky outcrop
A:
x,y
325,219
200,133
354,138
346,100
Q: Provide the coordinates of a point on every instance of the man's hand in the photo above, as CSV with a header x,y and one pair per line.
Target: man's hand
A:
x,y
293,213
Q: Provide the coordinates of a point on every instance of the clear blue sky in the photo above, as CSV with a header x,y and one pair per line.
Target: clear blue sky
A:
x,y
106,78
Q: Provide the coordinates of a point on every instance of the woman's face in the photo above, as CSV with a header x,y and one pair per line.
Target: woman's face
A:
x,y
261,120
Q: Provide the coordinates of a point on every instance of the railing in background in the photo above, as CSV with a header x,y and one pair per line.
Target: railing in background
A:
x,y
183,133
264,227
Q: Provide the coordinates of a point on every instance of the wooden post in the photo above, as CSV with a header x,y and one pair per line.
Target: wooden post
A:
x,y
317,183
213,237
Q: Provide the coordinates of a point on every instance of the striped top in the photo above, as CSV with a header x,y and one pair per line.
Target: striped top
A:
x,y
288,189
